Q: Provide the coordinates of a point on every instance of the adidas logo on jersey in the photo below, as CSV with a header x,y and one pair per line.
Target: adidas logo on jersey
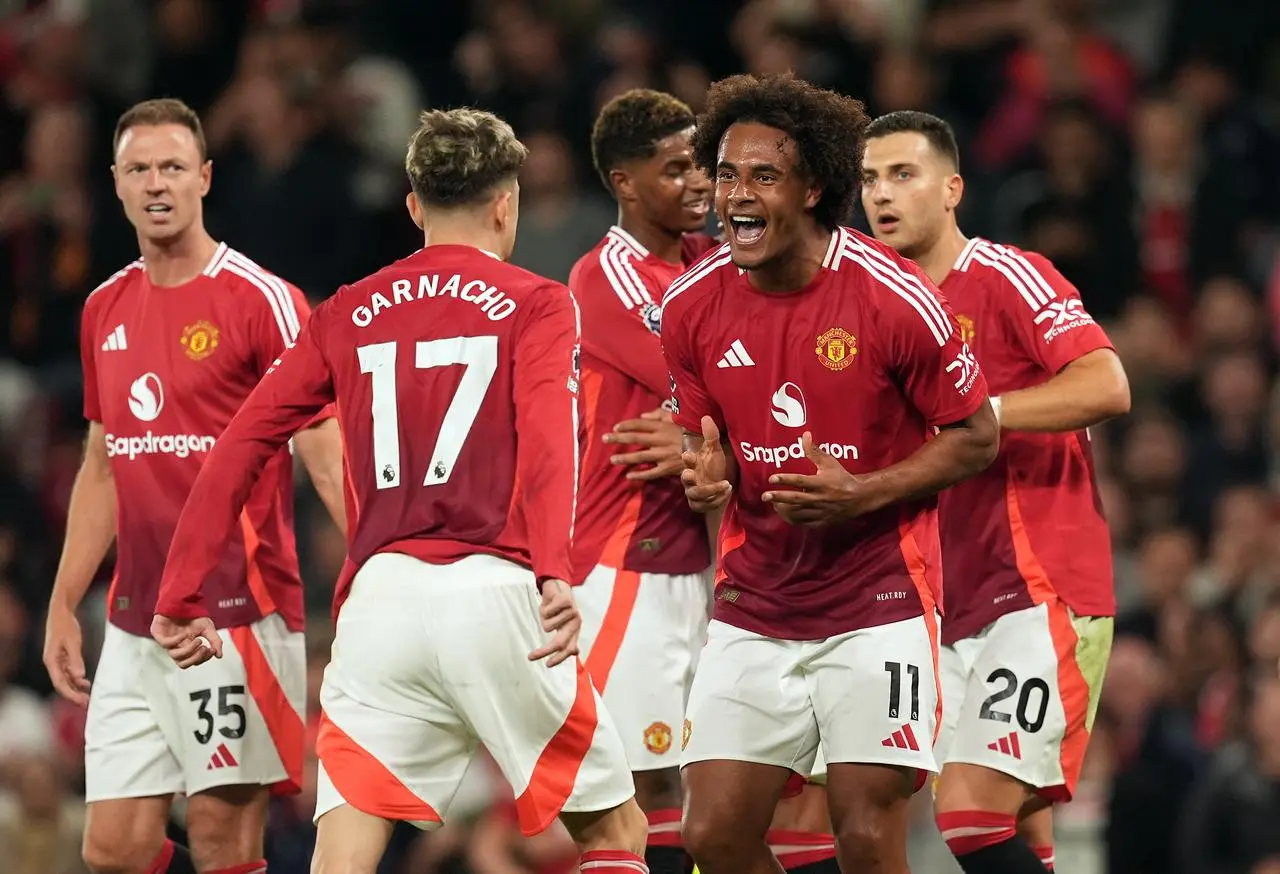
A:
x,y
735,356
115,341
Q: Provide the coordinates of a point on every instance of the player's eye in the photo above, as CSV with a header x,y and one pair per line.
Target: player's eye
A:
x,y
724,176
904,174
766,178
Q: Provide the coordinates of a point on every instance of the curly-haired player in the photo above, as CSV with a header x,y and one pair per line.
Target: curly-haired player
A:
x,y
640,555
827,397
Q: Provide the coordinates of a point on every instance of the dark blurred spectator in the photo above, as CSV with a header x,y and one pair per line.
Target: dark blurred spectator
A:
x,y
1231,447
1166,561
1072,207
45,214
1063,57
1228,318
1153,466
24,719
283,194
41,826
559,220
1157,759
1230,823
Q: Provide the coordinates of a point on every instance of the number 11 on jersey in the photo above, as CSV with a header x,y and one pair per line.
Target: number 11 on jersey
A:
x,y
479,355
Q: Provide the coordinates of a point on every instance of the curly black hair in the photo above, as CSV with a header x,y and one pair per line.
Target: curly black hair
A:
x,y
828,128
630,126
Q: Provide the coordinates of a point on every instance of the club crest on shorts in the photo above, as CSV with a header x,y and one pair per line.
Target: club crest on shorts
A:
x,y
836,349
200,339
684,734
657,738
966,328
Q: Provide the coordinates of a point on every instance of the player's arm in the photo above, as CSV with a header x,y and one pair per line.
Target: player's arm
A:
x,y
274,329
320,448
940,378
91,522
546,402
288,397
620,318
91,527
1089,383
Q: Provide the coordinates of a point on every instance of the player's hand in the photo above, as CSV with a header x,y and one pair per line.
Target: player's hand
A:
x,y
660,439
831,494
64,655
188,642
560,619
705,474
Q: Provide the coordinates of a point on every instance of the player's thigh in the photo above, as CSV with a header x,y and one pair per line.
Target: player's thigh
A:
x,y
545,727
643,663
127,753
391,744
875,694
750,702
238,720
1032,695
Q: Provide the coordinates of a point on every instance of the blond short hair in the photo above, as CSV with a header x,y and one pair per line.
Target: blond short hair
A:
x,y
457,157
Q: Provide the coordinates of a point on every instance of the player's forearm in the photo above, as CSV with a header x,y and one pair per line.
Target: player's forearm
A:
x,y
91,525
1089,390
320,448
956,453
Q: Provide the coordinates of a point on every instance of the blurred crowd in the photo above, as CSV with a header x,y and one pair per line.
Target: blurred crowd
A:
x,y
1134,142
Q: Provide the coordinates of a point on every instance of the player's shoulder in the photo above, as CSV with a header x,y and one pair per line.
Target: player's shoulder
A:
x,y
896,286
114,287
705,278
620,267
1029,274
235,273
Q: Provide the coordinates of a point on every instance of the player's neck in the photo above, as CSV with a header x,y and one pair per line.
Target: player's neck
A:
x,y
797,268
441,234
179,260
941,257
659,241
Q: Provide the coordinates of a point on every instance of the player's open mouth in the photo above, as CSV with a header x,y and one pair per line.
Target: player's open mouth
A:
x,y
159,209
747,229
887,221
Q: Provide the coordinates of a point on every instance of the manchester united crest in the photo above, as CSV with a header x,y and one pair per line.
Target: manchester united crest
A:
x,y
200,339
836,349
684,735
657,738
966,328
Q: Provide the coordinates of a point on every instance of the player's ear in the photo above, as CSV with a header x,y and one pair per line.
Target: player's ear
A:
x,y
206,176
812,196
504,208
415,209
622,185
955,190
115,182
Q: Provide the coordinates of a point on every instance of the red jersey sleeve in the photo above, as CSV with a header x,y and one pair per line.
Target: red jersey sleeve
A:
x,y
690,400
89,364
546,401
938,372
622,322
274,325
288,397
1046,313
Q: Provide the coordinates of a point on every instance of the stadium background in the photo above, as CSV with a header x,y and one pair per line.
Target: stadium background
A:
x,y
1132,141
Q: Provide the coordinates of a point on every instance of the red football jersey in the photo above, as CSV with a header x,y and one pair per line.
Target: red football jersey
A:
x,y
165,369
868,358
456,383
642,527
1032,523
